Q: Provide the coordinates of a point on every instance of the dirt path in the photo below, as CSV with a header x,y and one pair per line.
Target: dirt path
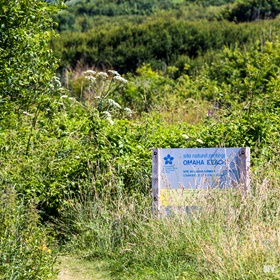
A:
x,y
71,268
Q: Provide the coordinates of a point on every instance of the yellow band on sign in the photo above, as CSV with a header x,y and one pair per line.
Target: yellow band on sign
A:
x,y
188,197
178,197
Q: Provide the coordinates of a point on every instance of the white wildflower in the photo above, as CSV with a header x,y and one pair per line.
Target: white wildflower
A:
x,y
200,141
108,117
120,79
110,121
114,72
27,114
91,78
64,96
185,136
106,114
55,83
102,75
90,72
113,103
128,111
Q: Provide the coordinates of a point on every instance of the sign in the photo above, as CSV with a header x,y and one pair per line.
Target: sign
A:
x,y
183,170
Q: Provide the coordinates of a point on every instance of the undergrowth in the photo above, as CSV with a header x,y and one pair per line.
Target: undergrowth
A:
x,y
26,249
232,235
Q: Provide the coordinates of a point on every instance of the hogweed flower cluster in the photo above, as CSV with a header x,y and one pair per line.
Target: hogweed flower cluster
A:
x,y
108,117
128,111
55,84
115,73
103,75
101,86
91,78
120,79
90,73
113,103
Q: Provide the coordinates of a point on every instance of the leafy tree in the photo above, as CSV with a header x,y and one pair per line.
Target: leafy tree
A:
x,y
27,62
163,40
253,10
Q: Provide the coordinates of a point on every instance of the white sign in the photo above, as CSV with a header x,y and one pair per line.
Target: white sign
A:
x,y
194,169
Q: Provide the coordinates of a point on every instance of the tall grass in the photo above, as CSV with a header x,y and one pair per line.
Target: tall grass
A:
x,y
233,235
26,249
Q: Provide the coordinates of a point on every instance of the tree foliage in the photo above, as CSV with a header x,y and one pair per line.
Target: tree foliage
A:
x,y
27,70
251,10
184,34
160,41
27,62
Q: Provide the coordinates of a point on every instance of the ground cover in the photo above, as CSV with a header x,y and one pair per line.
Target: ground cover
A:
x,y
75,268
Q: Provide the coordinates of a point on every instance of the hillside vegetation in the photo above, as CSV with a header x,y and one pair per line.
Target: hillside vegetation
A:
x,y
160,33
81,111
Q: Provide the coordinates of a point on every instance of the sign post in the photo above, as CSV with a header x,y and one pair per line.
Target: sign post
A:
x,y
179,171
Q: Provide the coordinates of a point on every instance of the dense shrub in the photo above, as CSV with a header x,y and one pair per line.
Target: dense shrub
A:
x,y
126,46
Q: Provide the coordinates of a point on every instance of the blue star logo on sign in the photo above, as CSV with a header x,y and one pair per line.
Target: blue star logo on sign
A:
x,y
168,159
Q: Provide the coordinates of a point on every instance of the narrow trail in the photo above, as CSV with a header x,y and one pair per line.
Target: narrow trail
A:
x,y
71,268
